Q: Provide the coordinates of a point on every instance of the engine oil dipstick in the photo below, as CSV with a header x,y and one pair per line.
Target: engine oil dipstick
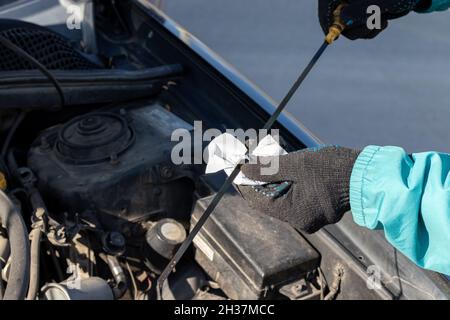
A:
x,y
334,31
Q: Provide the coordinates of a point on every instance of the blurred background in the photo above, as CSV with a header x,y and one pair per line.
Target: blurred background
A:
x,y
393,90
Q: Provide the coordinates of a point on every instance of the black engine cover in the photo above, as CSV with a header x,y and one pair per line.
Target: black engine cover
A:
x,y
116,164
250,255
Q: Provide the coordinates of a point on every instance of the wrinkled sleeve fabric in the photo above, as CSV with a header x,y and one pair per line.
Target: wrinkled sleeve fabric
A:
x,y
409,197
437,5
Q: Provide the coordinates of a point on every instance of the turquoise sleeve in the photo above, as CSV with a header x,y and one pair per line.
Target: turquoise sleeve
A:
x,y
438,5
408,197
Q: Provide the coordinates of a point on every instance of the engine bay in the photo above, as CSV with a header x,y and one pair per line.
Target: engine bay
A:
x,y
109,208
115,209
105,207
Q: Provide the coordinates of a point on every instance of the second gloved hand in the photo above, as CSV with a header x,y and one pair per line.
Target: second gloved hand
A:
x,y
355,14
319,194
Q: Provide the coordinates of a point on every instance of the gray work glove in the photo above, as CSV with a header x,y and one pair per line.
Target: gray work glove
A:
x,y
319,190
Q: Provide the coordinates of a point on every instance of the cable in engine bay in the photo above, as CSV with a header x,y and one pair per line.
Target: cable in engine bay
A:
x,y
19,51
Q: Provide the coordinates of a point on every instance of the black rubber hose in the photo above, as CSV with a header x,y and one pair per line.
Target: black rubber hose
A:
x,y
19,275
21,116
36,236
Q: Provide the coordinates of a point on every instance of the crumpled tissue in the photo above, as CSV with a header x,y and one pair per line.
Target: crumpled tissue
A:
x,y
226,151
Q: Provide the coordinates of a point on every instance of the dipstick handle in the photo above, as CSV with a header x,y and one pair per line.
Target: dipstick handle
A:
x,y
338,25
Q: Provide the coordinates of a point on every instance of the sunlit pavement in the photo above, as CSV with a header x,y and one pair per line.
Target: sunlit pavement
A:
x,y
393,90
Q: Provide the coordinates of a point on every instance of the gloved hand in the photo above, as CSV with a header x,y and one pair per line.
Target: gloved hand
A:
x,y
319,194
356,13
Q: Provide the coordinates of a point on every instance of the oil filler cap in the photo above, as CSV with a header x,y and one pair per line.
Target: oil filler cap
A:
x,y
3,183
94,138
165,237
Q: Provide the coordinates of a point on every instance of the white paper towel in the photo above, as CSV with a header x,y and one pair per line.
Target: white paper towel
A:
x,y
225,152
